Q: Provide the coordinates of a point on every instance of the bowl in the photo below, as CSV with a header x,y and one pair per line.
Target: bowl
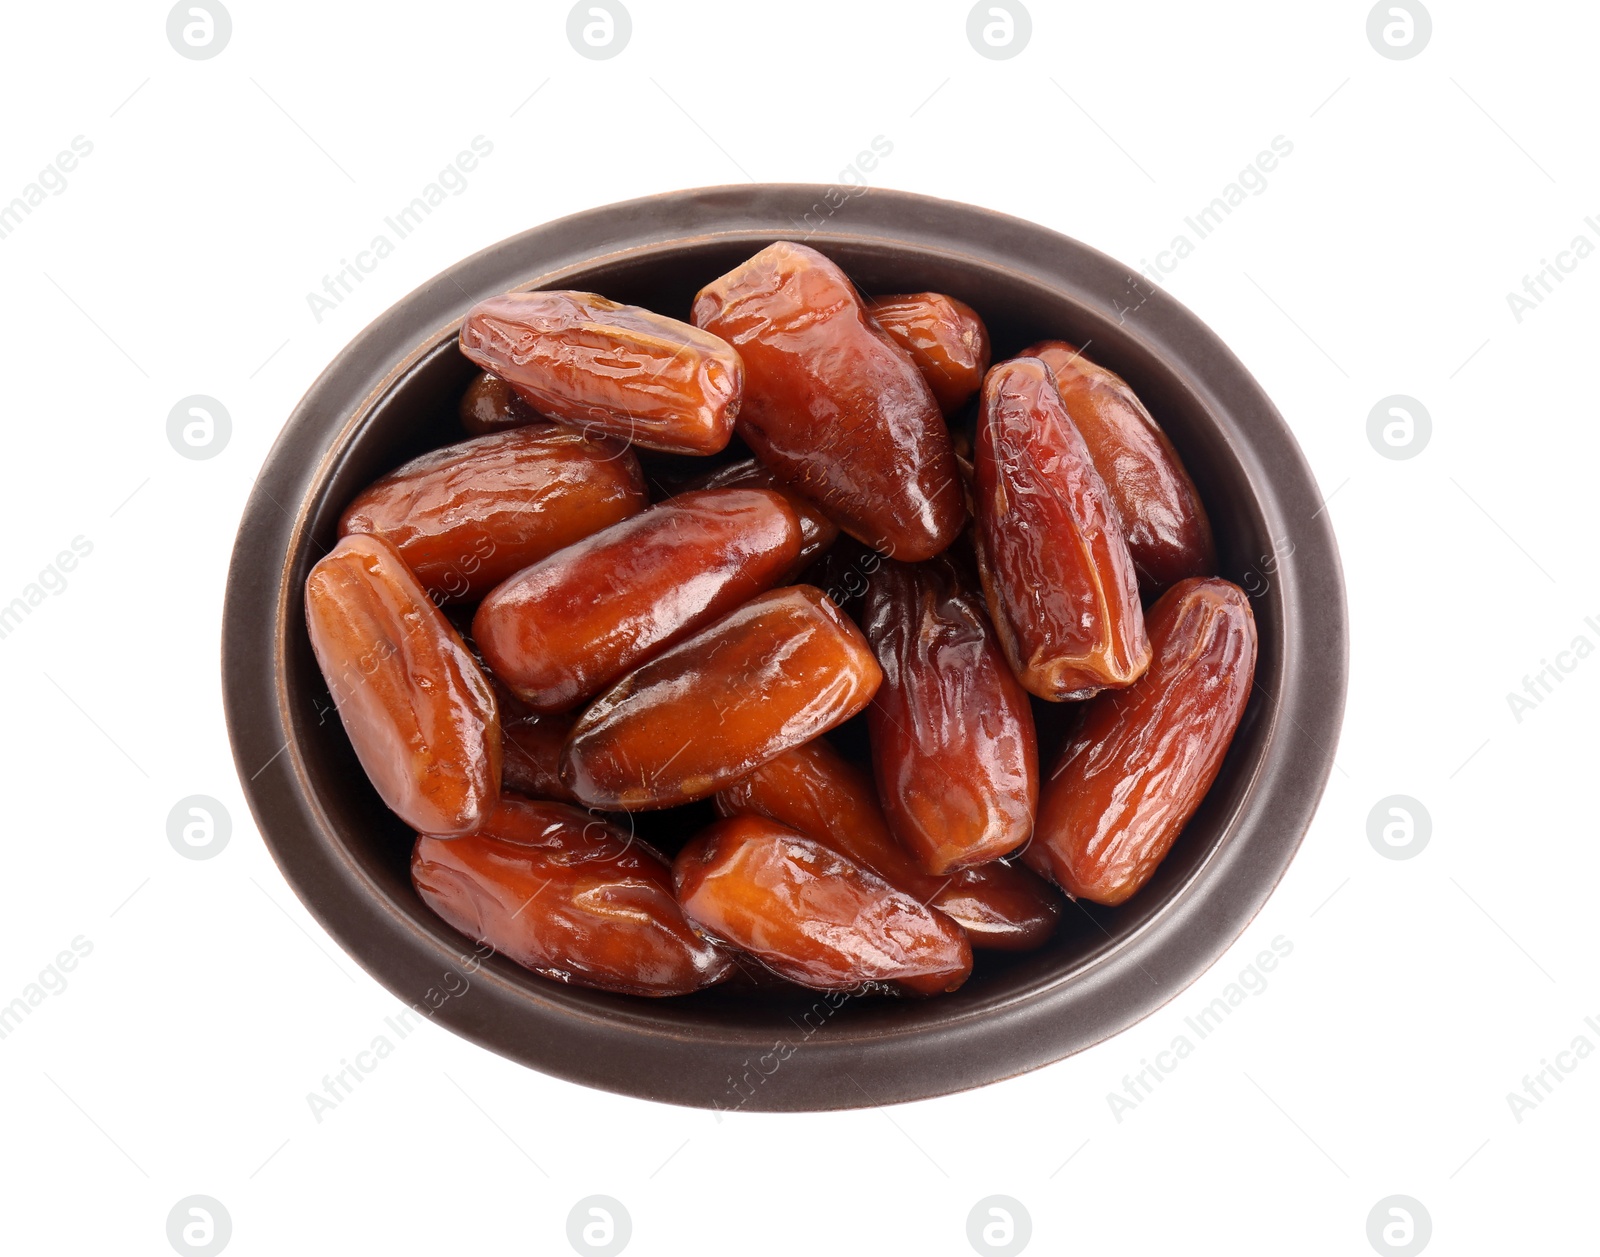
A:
x,y
390,395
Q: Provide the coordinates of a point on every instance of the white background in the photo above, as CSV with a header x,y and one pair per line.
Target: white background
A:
x,y
1377,261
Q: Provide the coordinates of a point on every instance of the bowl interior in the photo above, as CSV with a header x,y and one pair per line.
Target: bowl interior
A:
x,y
416,412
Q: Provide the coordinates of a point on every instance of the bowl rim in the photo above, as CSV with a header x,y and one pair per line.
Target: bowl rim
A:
x,y
630,1046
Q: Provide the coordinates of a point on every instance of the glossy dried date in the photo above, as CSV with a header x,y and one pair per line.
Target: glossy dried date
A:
x,y
467,516
1163,521
815,790
609,368
782,669
953,744
1061,587
570,897
817,531
531,756
491,405
419,712
564,629
833,405
811,915
1135,771
945,338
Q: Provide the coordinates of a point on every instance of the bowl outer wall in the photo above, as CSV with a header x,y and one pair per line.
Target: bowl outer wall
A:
x,y
637,1047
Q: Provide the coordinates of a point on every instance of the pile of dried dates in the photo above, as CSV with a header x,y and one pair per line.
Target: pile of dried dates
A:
x,y
673,556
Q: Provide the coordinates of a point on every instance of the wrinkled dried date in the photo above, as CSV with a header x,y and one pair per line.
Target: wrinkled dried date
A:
x,y
491,405
815,790
562,630
609,368
419,713
817,531
945,338
952,733
1132,775
1061,587
469,515
782,669
1163,521
812,915
570,897
833,405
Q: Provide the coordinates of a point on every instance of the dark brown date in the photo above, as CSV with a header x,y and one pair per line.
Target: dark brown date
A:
x,y
817,531
1131,777
569,896
815,790
531,756
491,405
784,668
945,338
419,713
610,369
564,629
833,405
1163,521
467,516
1060,585
952,733
811,915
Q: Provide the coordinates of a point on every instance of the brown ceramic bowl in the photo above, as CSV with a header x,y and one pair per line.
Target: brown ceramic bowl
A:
x,y
391,394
